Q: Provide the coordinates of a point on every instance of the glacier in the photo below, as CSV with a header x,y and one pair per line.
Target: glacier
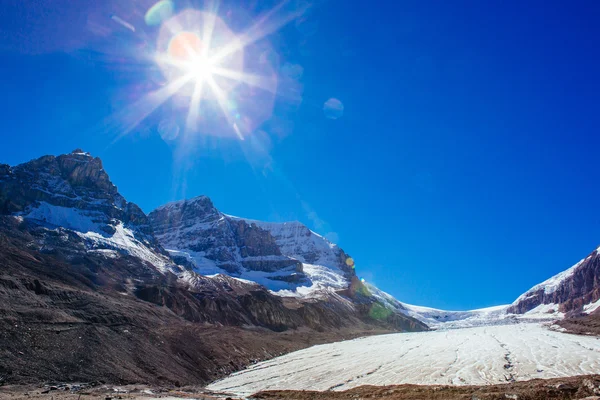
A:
x,y
474,356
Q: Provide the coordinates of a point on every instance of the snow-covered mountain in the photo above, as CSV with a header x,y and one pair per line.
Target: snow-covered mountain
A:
x,y
291,260
288,258
73,192
575,290
73,212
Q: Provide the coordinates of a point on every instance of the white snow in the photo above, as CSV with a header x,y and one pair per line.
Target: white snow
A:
x,y
552,284
591,307
204,266
473,356
70,218
321,279
124,240
544,311
83,224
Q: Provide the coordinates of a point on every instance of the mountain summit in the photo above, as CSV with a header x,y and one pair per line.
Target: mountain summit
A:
x,y
287,258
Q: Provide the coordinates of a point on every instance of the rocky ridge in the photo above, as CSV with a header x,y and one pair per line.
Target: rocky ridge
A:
x,y
280,256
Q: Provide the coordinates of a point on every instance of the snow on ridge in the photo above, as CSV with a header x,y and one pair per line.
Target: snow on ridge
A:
x,y
281,226
83,223
551,284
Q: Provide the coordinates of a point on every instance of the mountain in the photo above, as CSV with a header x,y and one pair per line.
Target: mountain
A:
x,y
88,292
573,291
291,260
73,191
287,258
572,296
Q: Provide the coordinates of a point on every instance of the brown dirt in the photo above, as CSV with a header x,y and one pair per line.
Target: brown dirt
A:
x,y
538,389
582,325
582,387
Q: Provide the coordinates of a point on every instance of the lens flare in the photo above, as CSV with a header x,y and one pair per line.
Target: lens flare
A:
x,y
159,12
224,82
333,108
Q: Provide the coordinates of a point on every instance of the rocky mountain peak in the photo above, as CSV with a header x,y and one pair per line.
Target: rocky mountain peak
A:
x,y
73,191
82,170
280,256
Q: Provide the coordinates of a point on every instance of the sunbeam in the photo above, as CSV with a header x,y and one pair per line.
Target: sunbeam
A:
x,y
133,115
222,100
257,31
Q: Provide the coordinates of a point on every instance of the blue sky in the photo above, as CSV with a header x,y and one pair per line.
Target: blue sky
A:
x,y
462,172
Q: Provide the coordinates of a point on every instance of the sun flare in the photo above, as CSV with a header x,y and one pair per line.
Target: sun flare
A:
x,y
216,81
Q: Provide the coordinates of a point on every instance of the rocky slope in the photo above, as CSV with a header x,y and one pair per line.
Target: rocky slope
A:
x,y
287,258
88,292
196,232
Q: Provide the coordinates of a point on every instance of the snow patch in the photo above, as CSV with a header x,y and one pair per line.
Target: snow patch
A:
x,y
590,308
124,240
70,218
544,311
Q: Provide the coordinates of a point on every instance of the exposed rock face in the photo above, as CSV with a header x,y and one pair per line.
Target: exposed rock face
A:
x,y
217,241
297,241
274,254
570,291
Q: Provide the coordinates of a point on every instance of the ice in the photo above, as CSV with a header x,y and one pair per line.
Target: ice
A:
x,y
321,279
473,356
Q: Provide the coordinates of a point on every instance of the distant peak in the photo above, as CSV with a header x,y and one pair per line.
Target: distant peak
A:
x,y
198,198
202,200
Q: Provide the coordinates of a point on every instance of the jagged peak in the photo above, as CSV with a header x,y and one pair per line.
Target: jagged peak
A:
x,y
202,200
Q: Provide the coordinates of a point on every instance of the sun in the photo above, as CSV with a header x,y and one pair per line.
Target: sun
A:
x,y
189,54
223,83
201,67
